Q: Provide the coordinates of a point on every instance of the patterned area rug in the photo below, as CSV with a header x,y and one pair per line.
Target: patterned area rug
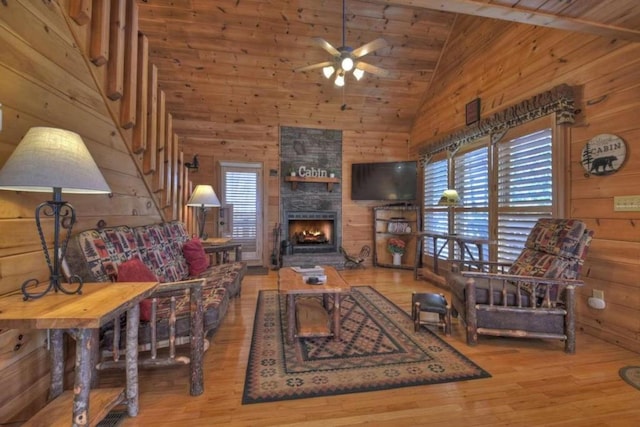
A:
x,y
377,350
631,374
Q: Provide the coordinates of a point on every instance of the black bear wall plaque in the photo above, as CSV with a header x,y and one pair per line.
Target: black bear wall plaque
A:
x,y
603,154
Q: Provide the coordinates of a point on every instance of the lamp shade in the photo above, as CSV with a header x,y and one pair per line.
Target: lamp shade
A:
x,y
48,158
204,196
450,197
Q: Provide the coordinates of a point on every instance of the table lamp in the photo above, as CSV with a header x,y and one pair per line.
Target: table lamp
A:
x,y
203,197
50,159
449,197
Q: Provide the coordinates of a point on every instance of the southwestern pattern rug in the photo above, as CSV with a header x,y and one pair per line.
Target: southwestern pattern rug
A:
x,y
377,350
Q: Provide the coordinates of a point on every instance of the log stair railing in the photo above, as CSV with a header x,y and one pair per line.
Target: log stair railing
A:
x,y
119,56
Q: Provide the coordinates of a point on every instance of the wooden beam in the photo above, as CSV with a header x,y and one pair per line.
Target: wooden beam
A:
x,y
523,16
128,108
139,139
115,67
150,154
99,46
80,11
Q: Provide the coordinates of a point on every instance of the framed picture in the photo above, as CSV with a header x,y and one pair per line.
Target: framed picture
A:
x,y
472,112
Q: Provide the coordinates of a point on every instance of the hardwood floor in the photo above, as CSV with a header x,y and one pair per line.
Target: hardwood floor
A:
x,y
533,382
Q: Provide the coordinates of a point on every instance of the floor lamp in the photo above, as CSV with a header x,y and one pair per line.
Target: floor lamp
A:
x,y
49,159
203,197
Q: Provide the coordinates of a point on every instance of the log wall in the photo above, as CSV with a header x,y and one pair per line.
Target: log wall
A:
x,y
58,69
504,64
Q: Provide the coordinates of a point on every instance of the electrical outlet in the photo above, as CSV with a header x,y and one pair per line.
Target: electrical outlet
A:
x,y
598,294
626,203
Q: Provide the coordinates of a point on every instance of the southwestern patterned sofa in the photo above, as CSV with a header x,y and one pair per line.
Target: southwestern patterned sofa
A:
x,y
532,298
186,307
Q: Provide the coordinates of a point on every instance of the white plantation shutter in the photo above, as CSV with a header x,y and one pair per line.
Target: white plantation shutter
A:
x,y
471,178
241,191
525,189
435,217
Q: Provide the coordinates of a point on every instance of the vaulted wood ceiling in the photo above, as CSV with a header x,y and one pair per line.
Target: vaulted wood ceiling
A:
x,y
233,61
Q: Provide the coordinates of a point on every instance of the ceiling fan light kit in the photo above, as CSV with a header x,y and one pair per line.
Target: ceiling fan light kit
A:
x,y
345,59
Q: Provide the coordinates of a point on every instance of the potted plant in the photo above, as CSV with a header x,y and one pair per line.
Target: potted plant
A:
x,y
332,173
396,247
292,171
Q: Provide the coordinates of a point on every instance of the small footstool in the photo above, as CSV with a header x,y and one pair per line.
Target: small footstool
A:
x,y
430,303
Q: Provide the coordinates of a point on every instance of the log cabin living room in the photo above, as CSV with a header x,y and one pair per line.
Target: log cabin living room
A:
x,y
503,116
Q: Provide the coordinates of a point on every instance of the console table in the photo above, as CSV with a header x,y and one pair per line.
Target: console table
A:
x,y
80,316
463,243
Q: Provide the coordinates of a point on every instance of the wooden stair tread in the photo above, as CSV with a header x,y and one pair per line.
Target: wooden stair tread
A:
x,y
58,412
312,320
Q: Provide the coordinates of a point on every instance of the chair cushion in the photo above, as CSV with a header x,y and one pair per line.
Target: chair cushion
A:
x,y
197,259
556,236
134,270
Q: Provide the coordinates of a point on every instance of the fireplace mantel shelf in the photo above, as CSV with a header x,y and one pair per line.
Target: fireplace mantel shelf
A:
x,y
294,180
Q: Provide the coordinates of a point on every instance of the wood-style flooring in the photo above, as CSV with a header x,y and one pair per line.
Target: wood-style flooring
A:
x,y
534,383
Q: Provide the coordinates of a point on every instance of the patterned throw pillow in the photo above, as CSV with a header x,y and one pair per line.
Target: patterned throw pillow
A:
x,y
197,259
134,270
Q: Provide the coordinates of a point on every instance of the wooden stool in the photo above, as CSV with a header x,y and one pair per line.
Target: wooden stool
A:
x,y
430,303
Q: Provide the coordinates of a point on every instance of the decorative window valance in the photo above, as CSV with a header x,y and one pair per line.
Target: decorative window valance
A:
x,y
559,100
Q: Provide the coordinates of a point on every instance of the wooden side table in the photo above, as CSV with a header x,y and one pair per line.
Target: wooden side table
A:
x,y
80,316
221,251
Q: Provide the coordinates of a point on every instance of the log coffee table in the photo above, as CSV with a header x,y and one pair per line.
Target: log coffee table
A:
x,y
308,322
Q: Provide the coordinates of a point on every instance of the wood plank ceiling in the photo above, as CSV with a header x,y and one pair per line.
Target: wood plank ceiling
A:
x,y
232,62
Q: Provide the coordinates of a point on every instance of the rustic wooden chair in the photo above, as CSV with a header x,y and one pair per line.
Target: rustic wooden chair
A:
x,y
352,261
534,297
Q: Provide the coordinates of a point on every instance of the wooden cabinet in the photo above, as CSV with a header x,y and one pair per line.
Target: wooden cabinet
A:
x,y
395,222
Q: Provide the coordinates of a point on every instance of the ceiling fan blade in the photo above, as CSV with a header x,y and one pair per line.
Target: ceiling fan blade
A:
x,y
381,72
326,46
365,49
314,66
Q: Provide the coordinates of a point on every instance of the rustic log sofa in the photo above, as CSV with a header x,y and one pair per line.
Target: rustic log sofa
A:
x,y
189,304
535,297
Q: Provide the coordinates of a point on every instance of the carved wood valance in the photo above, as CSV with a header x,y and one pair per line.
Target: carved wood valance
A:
x,y
558,100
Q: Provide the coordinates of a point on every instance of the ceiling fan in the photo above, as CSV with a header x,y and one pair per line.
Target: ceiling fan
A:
x,y
346,59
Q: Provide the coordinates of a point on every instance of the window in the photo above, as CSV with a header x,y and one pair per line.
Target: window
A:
x,y
471,180
435,217
524,190
519,168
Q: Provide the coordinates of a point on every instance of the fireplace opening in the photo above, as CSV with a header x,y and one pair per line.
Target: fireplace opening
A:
x,y
311,231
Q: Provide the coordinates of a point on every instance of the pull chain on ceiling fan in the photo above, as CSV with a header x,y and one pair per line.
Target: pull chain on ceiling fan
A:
x,y
346,59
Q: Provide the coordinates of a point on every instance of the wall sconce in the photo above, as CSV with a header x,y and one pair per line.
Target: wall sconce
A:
x,y
193,165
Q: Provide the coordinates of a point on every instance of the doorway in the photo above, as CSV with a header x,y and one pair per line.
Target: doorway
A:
x,y
241,188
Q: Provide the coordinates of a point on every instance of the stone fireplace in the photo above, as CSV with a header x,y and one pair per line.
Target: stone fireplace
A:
x,y
311,212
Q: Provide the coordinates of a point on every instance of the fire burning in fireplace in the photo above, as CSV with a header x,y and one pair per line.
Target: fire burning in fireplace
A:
x,y
311,231
311,236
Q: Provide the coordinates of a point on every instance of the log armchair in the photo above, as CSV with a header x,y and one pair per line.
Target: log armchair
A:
x,y
532,298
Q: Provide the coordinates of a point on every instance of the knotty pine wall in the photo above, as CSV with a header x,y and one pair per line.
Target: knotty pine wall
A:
x,y
506,63
46,81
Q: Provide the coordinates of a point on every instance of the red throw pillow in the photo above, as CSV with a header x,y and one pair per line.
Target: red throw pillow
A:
x,y
134,270
197,259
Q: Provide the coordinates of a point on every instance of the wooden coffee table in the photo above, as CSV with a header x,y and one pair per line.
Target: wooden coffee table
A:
x,y
292,284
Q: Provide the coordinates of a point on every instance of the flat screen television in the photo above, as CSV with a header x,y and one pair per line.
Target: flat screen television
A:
x,y
395,181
